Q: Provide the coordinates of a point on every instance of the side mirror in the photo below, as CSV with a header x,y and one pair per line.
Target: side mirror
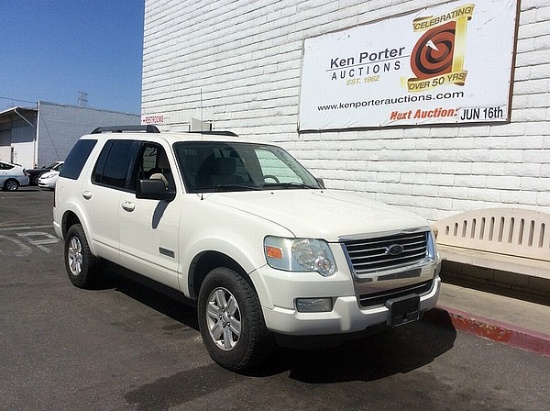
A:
x,y
154,190
320,182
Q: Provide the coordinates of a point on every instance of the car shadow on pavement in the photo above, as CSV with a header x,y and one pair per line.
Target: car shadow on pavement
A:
x,y
145,294
23,190
395,351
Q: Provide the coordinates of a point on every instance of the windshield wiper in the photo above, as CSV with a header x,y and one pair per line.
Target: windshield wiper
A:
x,y
244,187
288,185
235,187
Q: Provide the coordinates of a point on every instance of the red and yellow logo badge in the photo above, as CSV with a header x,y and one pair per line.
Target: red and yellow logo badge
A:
x,y
438,56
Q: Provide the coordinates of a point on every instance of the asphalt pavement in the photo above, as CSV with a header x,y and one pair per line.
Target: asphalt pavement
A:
x,y
124,347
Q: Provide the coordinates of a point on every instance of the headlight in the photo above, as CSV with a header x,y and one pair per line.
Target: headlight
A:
x,y
299,254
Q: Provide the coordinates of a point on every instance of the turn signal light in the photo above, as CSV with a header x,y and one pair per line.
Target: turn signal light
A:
x,y
273,252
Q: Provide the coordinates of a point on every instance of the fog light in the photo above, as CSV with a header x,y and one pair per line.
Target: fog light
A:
x,y
313,305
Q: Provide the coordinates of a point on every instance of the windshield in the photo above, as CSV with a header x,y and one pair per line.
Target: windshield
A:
x,y
234,166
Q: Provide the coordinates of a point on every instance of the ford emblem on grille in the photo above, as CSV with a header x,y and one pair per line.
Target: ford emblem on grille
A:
x,y
394,249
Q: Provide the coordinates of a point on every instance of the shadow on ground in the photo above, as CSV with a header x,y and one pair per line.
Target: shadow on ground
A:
x,y
396,351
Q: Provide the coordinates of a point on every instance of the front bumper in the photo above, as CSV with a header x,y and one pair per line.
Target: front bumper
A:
x,y
347,316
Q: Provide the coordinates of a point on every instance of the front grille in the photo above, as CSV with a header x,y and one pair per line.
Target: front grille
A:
x,y
382,253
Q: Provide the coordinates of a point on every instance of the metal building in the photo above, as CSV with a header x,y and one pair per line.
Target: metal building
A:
x,y
36,137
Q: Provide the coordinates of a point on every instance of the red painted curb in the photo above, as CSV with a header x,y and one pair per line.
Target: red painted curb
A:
x,y
514,336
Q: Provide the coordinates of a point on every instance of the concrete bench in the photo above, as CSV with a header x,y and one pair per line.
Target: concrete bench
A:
x,y
504,247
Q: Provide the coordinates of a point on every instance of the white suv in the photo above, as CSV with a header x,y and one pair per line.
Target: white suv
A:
x,y
244,231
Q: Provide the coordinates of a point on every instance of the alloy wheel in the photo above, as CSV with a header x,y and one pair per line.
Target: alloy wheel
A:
x,y
74,256
223,318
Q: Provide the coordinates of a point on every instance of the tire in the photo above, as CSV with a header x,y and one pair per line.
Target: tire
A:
x,y
231,321
11,185
81,265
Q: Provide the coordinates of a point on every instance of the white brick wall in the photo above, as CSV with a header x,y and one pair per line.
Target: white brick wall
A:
x,y
238,64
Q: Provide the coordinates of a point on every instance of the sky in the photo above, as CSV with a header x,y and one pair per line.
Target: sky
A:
x,y
51,50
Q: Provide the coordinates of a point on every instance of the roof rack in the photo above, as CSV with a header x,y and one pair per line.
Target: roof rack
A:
x,y
121,129
216,133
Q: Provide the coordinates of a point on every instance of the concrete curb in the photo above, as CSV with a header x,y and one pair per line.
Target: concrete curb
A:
x,y
508,334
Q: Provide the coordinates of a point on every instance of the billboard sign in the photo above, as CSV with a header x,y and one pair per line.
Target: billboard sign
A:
x,y
441,65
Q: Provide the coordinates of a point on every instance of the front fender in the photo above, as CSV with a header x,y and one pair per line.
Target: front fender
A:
x,y
233,233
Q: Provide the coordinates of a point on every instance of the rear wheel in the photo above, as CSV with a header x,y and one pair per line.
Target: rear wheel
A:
x,y
11,185
231,321
81,265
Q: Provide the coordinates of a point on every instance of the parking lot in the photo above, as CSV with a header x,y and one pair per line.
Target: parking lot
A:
x,y
124,347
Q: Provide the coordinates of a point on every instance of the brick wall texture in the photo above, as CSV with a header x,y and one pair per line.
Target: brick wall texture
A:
x,y
238,63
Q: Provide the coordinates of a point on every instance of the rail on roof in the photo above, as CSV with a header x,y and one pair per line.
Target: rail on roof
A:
x,y
122,129
216,133
154,129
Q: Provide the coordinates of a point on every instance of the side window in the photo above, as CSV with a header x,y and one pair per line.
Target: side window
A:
x,y
77,158
114,163
152,163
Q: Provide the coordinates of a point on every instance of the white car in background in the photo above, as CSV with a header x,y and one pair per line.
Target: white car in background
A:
x,y
12,176
48,179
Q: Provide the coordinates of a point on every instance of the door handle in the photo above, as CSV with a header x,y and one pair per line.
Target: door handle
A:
x,y
87,194
128,206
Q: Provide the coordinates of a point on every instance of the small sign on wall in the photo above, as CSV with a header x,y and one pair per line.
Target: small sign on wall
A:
x,y
153,119
441,65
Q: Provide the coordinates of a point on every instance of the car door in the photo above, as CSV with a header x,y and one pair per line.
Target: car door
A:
x,y
149,229
102,194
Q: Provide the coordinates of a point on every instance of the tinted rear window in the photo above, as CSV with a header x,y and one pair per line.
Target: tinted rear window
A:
x,y
114,163
77,158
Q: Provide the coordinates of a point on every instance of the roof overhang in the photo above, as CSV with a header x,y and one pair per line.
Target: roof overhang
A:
x,y
17,112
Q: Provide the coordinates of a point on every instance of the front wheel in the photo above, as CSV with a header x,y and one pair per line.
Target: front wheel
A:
x,y
81,265
231,321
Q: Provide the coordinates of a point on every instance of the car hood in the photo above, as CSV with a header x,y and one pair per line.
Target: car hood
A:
x,y
323,214
49,174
